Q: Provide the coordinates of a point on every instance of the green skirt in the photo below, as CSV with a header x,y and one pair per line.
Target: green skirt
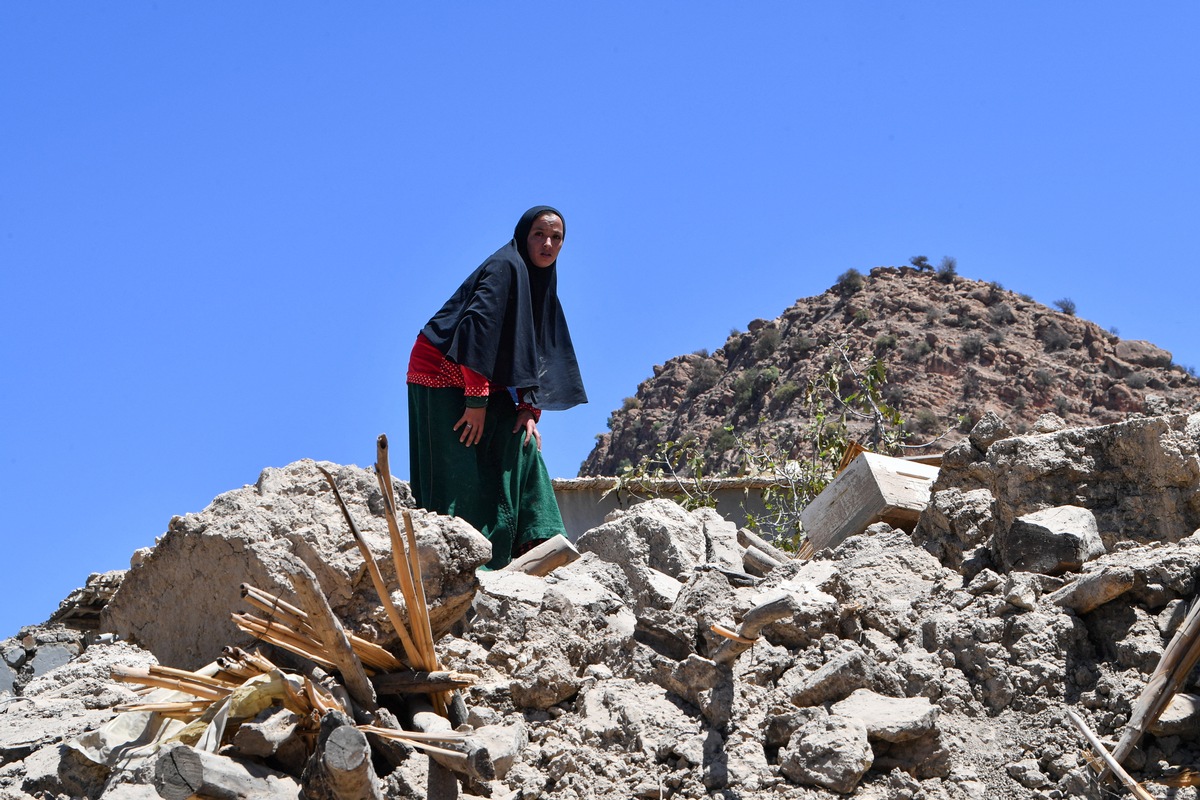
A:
x,y
499,485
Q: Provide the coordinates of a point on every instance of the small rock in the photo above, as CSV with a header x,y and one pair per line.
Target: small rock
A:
x,y
1027,773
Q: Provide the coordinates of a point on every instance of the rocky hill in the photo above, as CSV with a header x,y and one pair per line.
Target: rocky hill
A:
x,y
954,349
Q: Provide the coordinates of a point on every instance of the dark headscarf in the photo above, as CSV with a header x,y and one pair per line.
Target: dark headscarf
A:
x,y
505,322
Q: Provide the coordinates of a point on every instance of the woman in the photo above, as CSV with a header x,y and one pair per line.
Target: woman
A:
x,y
480,374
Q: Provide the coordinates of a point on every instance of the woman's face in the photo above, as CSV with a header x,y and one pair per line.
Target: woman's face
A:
x,y
545,240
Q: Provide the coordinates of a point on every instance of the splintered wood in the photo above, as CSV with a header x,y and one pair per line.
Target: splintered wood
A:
x,y
328,710
408,569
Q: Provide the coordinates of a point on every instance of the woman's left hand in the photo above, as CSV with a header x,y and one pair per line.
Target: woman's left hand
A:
x,y
526,421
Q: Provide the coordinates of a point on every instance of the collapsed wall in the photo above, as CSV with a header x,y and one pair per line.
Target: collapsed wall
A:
x,y
662,664
1137,478
248,535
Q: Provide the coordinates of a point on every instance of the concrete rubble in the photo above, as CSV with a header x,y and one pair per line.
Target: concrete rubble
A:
x,y
1047,574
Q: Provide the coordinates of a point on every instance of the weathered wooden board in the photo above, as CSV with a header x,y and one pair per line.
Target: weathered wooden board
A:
x,y
872,489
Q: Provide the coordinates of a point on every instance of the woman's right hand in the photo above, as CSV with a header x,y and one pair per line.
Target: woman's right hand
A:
x,y
471,425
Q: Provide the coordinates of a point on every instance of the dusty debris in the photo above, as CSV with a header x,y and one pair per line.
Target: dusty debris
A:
x,y
653,666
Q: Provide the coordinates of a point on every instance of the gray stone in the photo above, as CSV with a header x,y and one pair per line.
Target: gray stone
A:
x,y
1181,717
60,769
892,719
1050,541
833,680
815,610
747,764
1028,773
650,542
7,679
504,744
706,599
1049,423
563,623
990,428
1022,591
51,656
984,582
888,577
720,536
543,677
637,716
924,758
956,521
1137,477
832,753
14,654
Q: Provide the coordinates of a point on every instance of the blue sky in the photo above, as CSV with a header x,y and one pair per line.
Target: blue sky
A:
x,y
222,224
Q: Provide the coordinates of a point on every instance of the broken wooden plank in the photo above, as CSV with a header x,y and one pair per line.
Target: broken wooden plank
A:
x,y
1112,763
422,682
1176,663
748,538
872,489
545,558
331,633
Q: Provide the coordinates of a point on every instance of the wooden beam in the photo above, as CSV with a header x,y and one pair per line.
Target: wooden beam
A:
x,y
422,682
1176,663
748,538
385,597
329,629
758,562
1111,763
770,610
473,760
340,767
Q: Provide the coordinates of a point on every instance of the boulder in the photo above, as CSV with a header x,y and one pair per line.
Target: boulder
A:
x,y
551,629
1142,353
831,752
956,522
811,586
651,542
892,719
244,536
842,674
720,536
887,577
990,429
637,716
1050,541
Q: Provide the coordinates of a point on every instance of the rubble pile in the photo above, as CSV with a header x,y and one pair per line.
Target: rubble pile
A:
x,y
1048,576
